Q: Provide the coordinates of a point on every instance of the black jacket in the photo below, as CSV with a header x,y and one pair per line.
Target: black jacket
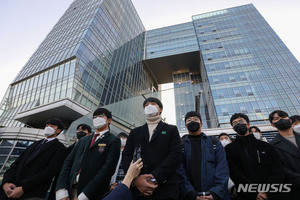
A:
x,y
70,148
290,158
161,157
35,169
253,161
96,164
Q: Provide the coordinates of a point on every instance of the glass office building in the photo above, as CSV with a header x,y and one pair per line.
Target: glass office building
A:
x,y
250,70
171,40
99,54
172,55
92,57
246,65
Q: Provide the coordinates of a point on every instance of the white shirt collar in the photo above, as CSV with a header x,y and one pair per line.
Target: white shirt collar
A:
x,y
50,139
101,134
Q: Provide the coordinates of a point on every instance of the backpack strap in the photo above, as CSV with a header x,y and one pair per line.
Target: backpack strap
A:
x,y
214,141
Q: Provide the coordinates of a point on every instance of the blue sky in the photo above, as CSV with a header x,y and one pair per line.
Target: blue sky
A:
x,y
25,23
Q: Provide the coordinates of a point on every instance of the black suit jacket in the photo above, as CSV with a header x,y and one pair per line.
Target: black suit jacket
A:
x,y
161,157
35,169
97,164
290,158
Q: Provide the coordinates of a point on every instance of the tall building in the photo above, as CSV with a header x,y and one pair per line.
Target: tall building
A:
x,y
99,54
92,57
246,65
249,68
173,55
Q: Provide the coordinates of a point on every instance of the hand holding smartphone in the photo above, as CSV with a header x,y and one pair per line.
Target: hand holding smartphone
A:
x,y
137,153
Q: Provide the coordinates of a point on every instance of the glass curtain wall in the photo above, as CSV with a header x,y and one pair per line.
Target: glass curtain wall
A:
x,y
48,86
249,68
104,66
171,40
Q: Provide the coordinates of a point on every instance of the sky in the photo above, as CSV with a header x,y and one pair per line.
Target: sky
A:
x,y
25,23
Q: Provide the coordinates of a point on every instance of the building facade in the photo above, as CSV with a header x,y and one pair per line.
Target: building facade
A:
x,y
99,54
92,57
245,64
250,70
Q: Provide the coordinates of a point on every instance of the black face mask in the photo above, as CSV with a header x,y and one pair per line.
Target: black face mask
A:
x,y
241,129
283,124
80,134
193,126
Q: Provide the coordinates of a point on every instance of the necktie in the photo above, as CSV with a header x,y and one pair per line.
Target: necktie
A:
x,y
92,142
94,139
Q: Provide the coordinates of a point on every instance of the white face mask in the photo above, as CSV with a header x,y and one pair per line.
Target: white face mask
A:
x,y
256,135
123,142
48,131
225,142
151,111
99,122
297,128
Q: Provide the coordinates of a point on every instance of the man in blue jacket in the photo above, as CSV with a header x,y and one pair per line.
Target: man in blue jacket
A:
x,y
204,171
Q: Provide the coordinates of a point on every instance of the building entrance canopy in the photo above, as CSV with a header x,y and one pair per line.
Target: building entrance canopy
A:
x,y
65,109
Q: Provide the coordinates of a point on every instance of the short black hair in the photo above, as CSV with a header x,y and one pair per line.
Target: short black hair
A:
x,y
237,115
122,134
84,127
280,113
56,122
100,111
295,118
256,128
154,100
192,114
223,134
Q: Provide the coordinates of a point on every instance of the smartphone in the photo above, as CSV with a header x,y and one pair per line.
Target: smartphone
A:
x,y
137,153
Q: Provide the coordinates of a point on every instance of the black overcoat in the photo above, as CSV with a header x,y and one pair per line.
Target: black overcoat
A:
x,y
35,169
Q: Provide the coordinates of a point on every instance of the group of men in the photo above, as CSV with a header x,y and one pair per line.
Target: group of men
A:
x,y
196,167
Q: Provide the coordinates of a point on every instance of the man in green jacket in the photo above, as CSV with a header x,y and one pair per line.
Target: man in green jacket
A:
x,y
87,171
